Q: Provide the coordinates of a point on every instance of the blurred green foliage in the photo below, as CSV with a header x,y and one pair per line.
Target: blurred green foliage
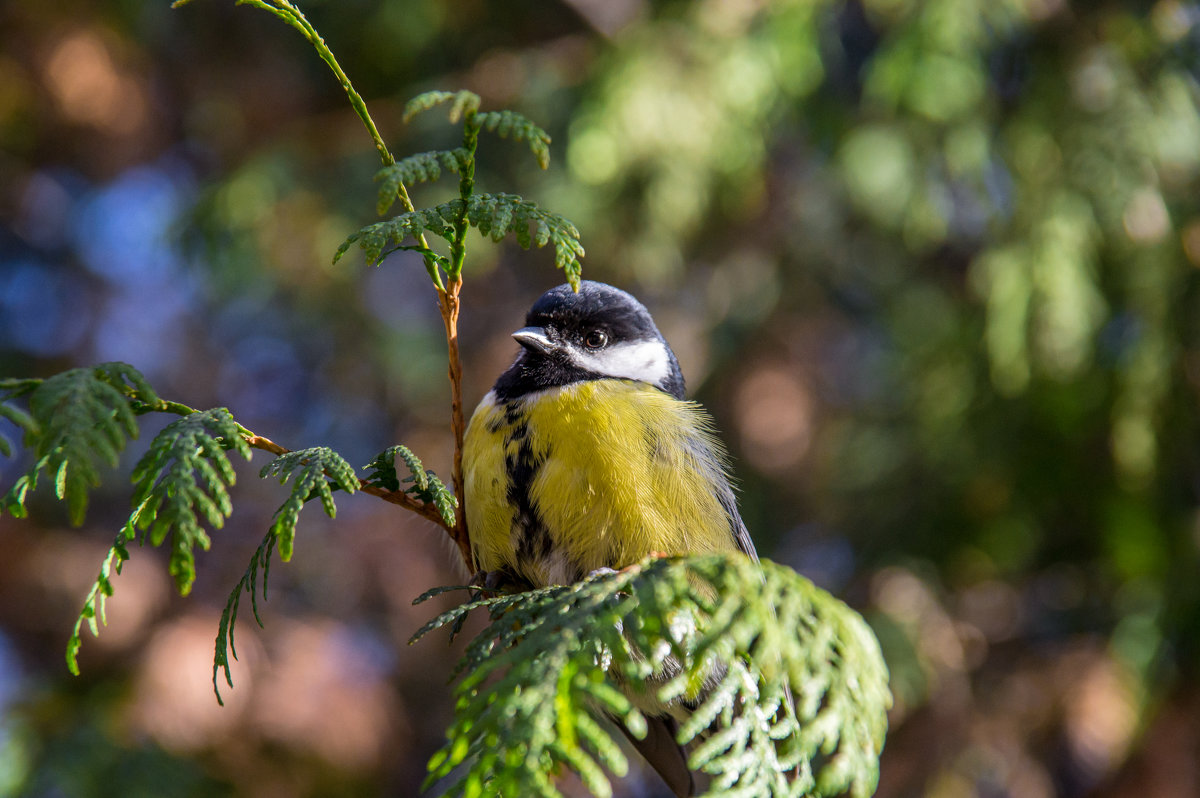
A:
x,y
957,241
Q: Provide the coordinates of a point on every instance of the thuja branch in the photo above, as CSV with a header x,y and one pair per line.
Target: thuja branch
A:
x,y
448,295
293,16
449,305
449,301
398,497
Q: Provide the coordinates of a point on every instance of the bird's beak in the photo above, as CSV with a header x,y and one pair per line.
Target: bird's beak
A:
x,y
534,339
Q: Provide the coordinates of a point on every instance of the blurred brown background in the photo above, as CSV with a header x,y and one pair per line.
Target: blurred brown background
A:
x,y
932,266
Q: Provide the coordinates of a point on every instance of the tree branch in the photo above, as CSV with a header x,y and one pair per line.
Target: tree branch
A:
x,y
449,307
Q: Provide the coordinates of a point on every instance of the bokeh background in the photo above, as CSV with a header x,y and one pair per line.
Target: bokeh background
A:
x,y
932,265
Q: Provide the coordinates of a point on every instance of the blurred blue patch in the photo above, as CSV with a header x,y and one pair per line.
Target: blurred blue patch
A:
x,y
827,560
46,208
43,312
122,229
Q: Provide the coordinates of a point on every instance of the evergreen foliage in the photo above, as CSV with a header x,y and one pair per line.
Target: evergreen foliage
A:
x,y
185,475
423,483
259,561
78,421
505,124
424,167
94,605
728,635
315,473
463,103
494,215
511,125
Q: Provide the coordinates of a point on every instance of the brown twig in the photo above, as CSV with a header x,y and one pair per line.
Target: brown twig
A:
x,y
266,444
397,497
449,302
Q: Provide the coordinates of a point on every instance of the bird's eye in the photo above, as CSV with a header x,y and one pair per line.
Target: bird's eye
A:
x,y
595,339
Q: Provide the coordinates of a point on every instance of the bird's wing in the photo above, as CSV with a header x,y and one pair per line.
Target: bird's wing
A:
x,y
736,525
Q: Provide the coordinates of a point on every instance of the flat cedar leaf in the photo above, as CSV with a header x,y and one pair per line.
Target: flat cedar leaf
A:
x,y
379,239
464,102
128,380
78,421
249,583
534,680
497,215
423,167
182,479
18,417
101,590
510,124
314,473
425,485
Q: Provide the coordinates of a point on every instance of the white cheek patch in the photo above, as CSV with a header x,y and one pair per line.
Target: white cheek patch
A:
x,y
647,361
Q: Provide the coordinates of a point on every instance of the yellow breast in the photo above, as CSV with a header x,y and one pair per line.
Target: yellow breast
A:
x,y
597,473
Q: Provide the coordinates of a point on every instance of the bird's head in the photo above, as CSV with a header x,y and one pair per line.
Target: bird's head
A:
x,y
599,332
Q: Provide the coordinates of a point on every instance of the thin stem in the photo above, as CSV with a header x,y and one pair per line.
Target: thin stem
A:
x,y
292,15
265,444
399,497
466,187
449,308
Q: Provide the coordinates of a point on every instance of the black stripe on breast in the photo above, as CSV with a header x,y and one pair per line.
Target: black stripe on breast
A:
x,y
522,465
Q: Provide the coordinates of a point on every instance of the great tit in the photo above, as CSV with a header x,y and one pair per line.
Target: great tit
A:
x,y
586,455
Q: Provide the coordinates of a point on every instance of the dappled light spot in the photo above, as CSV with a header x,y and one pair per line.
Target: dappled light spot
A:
x,y
91,88
1101,716
775,417
1146,220
174,701
878,167
325,692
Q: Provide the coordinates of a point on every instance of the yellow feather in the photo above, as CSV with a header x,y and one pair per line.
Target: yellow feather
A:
x,y
622,470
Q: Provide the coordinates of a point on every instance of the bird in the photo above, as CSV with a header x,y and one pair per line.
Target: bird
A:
x,y
586,455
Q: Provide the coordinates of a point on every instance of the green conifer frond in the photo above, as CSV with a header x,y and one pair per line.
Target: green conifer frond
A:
x,y
510,124
381,238
424,484
182,478
78,420
497,215
128,380
17,416
314,472
261,560
423,167
93,613
730,635
463,103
